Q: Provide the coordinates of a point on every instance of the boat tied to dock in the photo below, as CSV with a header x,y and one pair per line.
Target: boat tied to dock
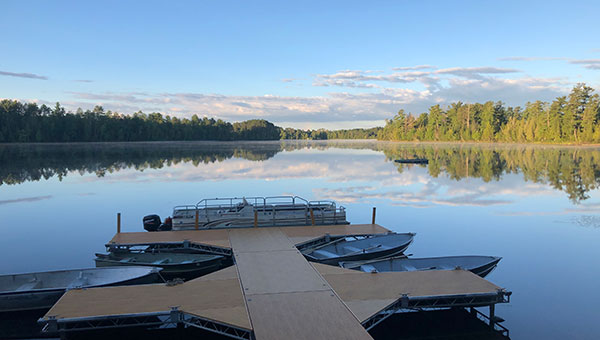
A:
x,y
480,265
358,248
249,212
41,290
180,265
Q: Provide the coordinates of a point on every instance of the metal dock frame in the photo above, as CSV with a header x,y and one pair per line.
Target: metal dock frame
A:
x,y
419,303
169,319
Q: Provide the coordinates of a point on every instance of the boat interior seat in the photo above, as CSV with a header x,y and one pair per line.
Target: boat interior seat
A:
x,y
161,261
368,268
351,249
324,254
409,268
29,285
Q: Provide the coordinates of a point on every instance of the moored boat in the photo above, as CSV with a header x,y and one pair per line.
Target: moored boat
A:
x,y
182,265
480,265
359,248
412,161
248,212
33,291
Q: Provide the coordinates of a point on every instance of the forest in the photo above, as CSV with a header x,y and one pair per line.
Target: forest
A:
x,y
567,119
30,123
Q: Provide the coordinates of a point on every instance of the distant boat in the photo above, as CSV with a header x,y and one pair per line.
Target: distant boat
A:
x,y
413,161
480,265
183,265
33,291
359,248
246,211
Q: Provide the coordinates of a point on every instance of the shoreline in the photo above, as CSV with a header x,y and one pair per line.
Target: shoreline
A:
x,y
414,143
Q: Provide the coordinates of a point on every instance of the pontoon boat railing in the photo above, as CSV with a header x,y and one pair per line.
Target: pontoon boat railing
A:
x,y
316,210
259,203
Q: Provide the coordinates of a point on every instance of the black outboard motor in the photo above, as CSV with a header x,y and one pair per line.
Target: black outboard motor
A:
x,y
151,222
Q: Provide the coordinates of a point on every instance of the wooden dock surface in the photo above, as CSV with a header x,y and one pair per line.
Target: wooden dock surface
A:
x,y
285,296
272,290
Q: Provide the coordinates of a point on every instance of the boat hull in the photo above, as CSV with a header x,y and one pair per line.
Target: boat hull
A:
x,y
359,248
362,256
169,271
479,265
46,298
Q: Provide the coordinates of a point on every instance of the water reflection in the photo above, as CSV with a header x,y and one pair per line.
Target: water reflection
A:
x,y
573,170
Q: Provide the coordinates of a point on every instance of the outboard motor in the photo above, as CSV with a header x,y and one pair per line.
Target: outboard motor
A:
x,y
151,222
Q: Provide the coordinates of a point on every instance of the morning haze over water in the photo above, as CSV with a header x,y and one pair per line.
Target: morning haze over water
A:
x,y
536,206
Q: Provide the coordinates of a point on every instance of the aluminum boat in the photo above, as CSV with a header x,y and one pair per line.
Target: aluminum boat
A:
x,y
32,291
173,265
480,265
359,248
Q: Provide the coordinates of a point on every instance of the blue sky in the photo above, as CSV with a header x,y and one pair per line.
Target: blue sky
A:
x,y
333,64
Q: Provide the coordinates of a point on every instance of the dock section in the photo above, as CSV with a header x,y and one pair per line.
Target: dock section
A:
x,y
271,292
285,296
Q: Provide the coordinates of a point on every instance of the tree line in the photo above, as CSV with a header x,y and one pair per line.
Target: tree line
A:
x,y
30,123
567,119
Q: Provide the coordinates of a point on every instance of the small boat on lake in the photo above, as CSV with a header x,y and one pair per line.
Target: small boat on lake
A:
x,y
181,265
248,211
34,291
359,248
412,161
480,265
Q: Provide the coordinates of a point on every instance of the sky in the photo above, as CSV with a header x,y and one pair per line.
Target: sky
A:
x,y
322,64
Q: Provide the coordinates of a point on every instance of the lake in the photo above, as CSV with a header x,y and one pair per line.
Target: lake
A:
x,y
536,206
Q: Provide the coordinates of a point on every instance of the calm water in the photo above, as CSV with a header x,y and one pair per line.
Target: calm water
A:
x,y
537,207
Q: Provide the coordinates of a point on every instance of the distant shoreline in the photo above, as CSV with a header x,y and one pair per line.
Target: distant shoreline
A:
x,y
467,143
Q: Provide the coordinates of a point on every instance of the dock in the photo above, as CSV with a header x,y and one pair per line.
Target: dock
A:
x,y
271,292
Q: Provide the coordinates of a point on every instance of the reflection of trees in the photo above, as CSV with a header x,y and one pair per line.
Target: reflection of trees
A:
x,y
21,163
573,170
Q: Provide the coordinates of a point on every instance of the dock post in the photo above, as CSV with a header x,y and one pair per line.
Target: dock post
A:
x,y
255,219
492,316
373,221
312,217
197,217
118,223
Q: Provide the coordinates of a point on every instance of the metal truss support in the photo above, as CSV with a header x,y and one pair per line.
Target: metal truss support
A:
x,y
219,328
171,319
52,325
406,303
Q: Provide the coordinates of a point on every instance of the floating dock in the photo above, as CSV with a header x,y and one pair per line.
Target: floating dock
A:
x,y
271,292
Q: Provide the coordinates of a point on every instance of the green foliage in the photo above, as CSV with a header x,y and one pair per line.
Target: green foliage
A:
x,y
26,122
571,119
322,134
